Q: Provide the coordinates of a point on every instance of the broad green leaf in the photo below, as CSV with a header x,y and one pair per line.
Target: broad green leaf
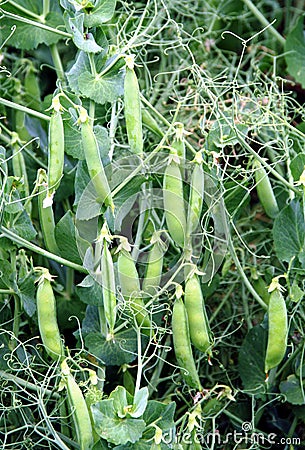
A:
x,y
113,428
120,402
295,52
91,322
102,11
26,293
121,349
80,65
89,291
102,89
83,41
6,276
293,390
251,360
223,133
67,239
27,36
66,308
297,166
161,413
23,227
289,232
73,142
139,403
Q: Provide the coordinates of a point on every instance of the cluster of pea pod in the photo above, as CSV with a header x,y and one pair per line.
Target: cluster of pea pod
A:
x,y
189,320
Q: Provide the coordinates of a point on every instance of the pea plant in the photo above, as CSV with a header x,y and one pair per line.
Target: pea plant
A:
x,y
152,233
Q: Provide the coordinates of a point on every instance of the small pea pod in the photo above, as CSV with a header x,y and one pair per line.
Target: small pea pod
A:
x,y
264,191
150,123
182,345
198,323
94,162
132,108
108,287
196,195
153,274
32,89
173,202
277,329
130,287
47,320
56,154
46,216
79,409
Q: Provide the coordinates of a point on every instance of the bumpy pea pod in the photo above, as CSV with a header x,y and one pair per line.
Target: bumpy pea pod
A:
x,y
264,191
198,323
196,195
47,320
182,345
78,406
173,201
277,327
94,162
130,287
56,154
46,216
132,108
153,274
108,287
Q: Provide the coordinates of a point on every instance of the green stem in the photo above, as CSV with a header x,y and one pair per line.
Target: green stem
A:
x,y
27,384
45,8
221,304
25,109
24,243
69,282
35,24
264,21
25,10
139,370
57,63
16,322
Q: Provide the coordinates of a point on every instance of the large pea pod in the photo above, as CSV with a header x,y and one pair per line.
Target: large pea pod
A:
x,y
277,330
79,409
94,162
47,320
132,108
108,287
173,202
182,345
130,288
198,324
196,195
46,216
56,154
153,274
264,191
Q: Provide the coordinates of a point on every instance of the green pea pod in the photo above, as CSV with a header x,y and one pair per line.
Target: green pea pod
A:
x,y
152,278
32,89
196,195
46,216
56,151
108,287
79,409
182,345
264,191
132,109
277,330
130,288
47,320
198,324
95,165
173,202
150,123
19,169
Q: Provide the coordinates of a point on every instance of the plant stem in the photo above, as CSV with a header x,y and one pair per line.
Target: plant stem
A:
x,y
24,243
16,322
27,384
35,24
25,109
69,282
57,63
264,21
45,8
24,10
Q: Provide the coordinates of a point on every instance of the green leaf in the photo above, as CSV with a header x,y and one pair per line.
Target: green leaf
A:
x,y
89,291
26,293
223,133
251,361
6,277
289,232
113,428
102,11
295,52
297,166
83,41
23,227
67,239
291,388
120,402
80,65
139,403
102,89
118,350
161,413
27,36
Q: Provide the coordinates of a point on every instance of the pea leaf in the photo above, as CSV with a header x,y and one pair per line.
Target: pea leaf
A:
x,y
27,36
295,52
102,11
102,89
6,280
26,293
82,41
89,291
113,352
69,243
297,166
293,391
251,361
289,232
112,428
